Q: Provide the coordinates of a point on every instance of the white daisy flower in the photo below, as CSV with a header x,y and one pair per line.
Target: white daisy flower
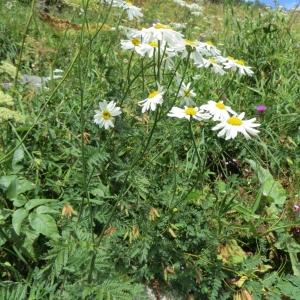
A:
x,y
235,64
187,95
148,49
233,125
188,47
178,26
196,13
132,11
105,116
188,113
181,2
130,44
195,7
153,99
219,110
216,68
161,32
211,48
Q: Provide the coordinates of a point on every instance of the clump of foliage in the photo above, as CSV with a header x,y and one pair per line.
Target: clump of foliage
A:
x,y
105,191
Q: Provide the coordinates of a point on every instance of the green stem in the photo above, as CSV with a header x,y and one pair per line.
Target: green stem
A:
x,y
131,82
22,47
194,143
82,126
129,64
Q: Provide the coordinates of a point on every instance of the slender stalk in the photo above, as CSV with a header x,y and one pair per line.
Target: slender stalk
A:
x,y
82,126
129,65
22,47
194,143
174,161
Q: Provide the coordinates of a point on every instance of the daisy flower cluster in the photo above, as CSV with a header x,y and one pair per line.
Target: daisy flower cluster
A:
x,y
192,7
133,12
230,125
164,44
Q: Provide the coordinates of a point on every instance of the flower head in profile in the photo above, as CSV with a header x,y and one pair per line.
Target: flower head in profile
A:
x,y
235,64
215,67
161,32
261,109
188,113
154,98
149,49
187,94
131,44
189,49
105,116
233,125
132,11
218,110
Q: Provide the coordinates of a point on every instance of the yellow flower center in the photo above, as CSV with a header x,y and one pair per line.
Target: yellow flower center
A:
x,y
190,42
234,121
153,94
128,2
159,26
213,61
187,93
240,62
220,105
153,44
135,42
106,114
209,43
190,111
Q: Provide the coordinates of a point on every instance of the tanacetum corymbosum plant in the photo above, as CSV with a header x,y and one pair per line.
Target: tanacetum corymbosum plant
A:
x,y
142,166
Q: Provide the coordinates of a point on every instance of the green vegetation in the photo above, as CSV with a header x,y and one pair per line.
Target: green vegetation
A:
x,y
111,176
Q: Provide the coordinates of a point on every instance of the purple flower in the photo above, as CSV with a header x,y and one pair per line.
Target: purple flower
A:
x,y
261,109
202,36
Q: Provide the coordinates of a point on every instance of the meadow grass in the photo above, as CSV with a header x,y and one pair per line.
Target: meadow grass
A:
x,y
118,173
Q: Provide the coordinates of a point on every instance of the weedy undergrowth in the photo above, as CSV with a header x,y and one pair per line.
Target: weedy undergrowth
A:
x,y
150,153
